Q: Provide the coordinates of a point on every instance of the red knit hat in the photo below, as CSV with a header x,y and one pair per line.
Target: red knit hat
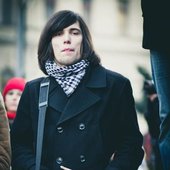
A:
x,y
14,83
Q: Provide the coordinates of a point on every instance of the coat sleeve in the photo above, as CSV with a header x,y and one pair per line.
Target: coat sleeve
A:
x,y
23,134
129,152
5,149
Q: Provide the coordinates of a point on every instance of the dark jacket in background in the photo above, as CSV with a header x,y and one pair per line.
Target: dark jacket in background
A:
x,y
156,25
82,131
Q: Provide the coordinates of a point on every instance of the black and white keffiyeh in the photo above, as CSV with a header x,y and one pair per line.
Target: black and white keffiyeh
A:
x,y
68,77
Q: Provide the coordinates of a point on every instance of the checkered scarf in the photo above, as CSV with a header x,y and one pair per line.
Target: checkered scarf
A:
x,y
68,77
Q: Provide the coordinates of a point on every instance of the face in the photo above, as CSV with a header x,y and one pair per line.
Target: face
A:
x,y
12,99
66,45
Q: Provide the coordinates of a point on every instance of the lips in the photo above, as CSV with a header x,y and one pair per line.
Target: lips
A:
x,y
67,50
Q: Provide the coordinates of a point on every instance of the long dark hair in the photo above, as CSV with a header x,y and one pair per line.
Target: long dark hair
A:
x,y
56,23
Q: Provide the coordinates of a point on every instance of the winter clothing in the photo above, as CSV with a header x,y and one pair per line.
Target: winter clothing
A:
x,y
5,149
82,131
156,38
68,77
13,83
156,29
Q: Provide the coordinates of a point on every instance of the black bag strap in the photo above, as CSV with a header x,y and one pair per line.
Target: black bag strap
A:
x,y
43,103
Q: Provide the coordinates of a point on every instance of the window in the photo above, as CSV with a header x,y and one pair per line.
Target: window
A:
x,y
7,10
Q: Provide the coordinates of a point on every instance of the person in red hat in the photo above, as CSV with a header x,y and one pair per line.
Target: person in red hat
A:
x,y
11,94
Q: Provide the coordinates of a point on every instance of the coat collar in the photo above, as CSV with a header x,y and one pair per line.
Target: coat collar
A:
x,y
83,98
97,77
94,78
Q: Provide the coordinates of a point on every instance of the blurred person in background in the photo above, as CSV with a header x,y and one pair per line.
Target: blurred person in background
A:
x,y
5,148
153,120
91,112
11,94
156,38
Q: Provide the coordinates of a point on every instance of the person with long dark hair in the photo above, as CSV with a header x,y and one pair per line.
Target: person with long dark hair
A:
x,y
91,115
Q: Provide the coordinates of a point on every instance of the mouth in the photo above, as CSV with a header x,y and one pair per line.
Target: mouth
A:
x,y
67,50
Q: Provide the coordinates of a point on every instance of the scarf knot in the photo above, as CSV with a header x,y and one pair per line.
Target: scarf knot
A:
x,y
68,77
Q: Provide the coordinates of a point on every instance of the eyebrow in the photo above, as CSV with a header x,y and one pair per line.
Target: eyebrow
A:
x,y
75,29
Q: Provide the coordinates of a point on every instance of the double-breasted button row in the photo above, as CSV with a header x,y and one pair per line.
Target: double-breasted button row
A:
x,y
81,126
59,160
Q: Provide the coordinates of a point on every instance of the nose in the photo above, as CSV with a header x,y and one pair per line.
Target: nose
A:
x,y
15,97
67,39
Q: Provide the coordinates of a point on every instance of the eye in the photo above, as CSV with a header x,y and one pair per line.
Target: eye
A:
x,y
59,33
10,93
75,32
19,93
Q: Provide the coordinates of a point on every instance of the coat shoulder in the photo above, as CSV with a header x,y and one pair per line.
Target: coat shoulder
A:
x,y
35,82
115,76
33,85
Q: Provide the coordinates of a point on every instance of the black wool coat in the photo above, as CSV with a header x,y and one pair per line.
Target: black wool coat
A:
x,y
83,131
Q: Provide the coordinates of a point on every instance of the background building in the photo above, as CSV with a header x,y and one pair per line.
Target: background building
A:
x,y
116,27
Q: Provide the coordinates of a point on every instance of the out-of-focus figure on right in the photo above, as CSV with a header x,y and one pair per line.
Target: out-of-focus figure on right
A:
x,y
156,38
152,118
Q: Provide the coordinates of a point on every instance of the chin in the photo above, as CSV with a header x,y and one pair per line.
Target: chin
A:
x,y
71,63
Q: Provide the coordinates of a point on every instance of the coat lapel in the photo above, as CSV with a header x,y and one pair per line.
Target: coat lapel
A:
x,y
57,97
85,96
78,103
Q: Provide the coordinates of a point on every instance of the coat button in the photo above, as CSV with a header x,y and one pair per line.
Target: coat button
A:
x,y
82,158
59,129
59,160
81,126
